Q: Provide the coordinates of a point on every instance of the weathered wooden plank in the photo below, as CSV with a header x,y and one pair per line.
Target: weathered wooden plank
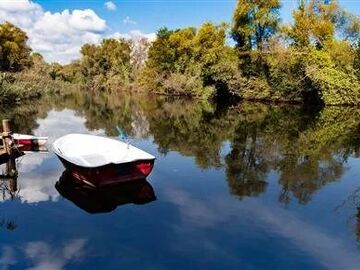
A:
x,y
5,135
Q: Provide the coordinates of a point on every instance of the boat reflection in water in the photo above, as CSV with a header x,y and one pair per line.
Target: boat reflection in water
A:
x,y
106,199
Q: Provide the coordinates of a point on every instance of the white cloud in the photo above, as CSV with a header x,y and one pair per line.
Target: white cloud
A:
x,y
128,20
110,5
58,36
18,5
134,35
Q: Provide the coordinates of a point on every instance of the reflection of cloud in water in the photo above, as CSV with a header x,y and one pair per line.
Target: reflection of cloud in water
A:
x,y
194,210
140,125
328,250
58,124
42,256
7,257
38,172
47,258
36,182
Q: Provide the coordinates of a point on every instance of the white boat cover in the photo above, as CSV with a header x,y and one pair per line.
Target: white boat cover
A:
x,y
94,151
17,136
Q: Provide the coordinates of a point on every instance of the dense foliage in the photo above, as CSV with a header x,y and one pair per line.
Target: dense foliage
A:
x,y
14,52
107,63
35,79
189,62
254,23
313,60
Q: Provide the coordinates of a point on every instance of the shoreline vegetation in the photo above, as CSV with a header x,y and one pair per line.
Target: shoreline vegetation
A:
x,y
315,60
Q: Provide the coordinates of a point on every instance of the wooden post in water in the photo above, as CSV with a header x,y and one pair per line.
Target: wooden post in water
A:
x,y
6,136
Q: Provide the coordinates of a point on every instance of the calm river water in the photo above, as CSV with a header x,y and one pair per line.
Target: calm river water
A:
x,y
250,186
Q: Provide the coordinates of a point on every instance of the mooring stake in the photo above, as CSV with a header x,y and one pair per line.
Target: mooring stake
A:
x,y
6,136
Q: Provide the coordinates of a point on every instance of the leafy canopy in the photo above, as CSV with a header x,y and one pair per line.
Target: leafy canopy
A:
x,y
254,22
14,52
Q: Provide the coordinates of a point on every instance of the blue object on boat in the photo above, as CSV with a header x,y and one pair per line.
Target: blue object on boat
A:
x,y
122,134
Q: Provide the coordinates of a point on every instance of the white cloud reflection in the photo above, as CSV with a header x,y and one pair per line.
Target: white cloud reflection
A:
x,y
37,180
328,250
45,257
7,257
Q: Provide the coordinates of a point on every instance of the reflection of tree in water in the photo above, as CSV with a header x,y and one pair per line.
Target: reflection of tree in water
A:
x,y
23,118
9,225
319,154
353,203
257,145
302,176
246,167
307,150
192,129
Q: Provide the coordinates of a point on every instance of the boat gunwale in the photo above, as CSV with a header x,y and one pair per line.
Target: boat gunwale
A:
x,y
105,165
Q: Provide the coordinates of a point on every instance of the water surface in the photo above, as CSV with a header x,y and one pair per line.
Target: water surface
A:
x,y
248,186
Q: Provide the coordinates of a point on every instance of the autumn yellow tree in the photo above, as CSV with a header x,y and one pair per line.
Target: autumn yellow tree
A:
x,y
14,52
314,23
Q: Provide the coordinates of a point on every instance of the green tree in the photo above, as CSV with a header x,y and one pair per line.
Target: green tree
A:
x,y
314,23
190,62
348,26
160,55
357,60
254,22
14,52
107,63
38,64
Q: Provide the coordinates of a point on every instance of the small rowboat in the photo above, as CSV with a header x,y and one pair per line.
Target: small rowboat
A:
x,y
100,161
29,140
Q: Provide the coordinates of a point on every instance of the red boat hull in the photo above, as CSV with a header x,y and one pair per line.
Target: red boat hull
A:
x,y
110,174
29,142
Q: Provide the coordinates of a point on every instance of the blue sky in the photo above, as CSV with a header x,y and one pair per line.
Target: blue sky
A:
x,y
150,15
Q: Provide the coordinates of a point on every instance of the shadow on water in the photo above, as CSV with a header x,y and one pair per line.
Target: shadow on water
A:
x,y
105,199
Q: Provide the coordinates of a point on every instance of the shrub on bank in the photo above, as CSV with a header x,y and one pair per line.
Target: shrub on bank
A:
x,y
335,86
16,87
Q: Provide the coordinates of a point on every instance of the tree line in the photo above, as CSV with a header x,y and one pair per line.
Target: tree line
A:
x,y
315,59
